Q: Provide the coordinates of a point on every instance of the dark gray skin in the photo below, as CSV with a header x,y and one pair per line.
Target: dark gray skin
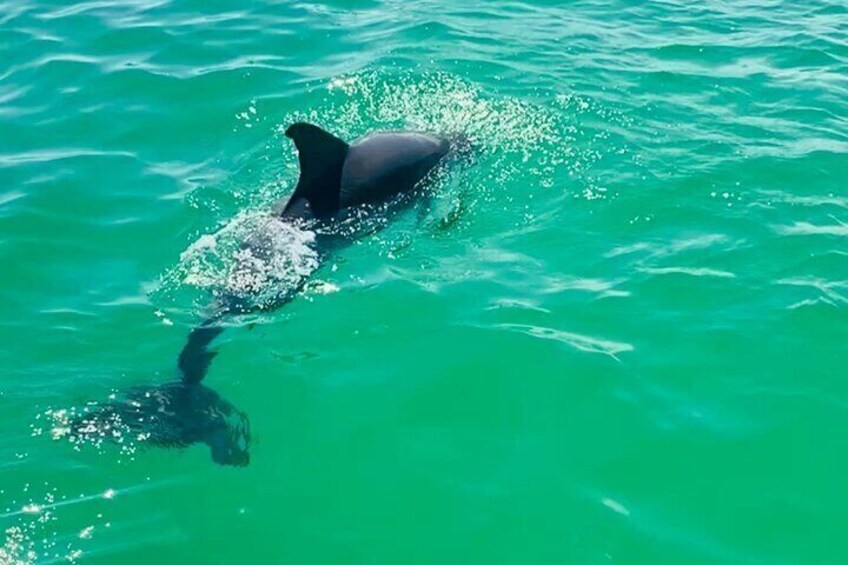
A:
x,y
334,177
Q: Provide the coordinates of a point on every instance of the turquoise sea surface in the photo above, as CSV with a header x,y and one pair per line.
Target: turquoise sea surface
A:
x,y
618,333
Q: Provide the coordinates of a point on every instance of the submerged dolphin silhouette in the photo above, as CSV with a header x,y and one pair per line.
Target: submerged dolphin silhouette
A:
x,y
334,177
171,415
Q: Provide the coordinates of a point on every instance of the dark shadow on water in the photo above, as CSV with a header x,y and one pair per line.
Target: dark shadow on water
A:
x,y
173,415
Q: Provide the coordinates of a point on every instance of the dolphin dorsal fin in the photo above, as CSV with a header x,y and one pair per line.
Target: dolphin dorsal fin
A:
x,y
321,156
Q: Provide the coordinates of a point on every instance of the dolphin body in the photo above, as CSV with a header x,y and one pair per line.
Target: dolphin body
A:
x,y
335,177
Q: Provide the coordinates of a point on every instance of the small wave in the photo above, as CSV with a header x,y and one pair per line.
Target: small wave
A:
x,y
602,288
578,341
675,247
807,228
11,196
691,271
802,200
615,506
827,291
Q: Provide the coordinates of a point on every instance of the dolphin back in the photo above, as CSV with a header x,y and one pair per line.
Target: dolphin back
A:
x,y
384,165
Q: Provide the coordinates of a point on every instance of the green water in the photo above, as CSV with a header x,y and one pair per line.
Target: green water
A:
x,y
619,334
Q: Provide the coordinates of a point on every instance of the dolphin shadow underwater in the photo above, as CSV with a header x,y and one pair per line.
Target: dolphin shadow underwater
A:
x,y
336,180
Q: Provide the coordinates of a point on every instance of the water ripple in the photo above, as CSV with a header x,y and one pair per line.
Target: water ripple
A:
x,y
808,228
661,183
581,342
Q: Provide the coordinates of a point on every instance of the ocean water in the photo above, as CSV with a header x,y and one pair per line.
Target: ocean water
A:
x,y
618,333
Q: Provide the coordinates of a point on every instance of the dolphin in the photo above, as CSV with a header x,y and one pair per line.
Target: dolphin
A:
x,y
335,175
335,178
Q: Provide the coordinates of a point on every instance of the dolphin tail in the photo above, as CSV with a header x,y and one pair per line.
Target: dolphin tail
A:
x,y
173,414
169,415
195,357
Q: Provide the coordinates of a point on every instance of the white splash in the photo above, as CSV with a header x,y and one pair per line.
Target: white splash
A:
x,y
615,506
255,257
